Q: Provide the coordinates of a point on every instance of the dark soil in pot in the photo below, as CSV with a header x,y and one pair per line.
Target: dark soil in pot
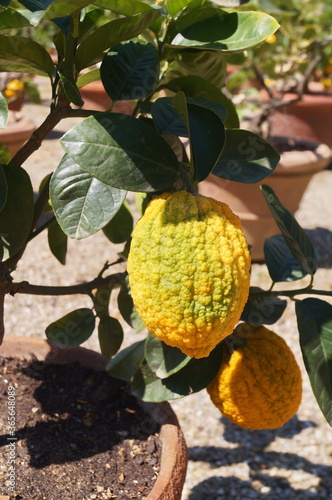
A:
x,y
78,434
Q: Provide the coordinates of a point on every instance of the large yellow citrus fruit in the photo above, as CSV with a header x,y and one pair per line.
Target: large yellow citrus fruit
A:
x,y
189,271
259,385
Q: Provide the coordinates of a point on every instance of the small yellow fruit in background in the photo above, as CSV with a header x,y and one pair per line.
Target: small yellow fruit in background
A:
x,y
14,88
259,385
189,271
271,39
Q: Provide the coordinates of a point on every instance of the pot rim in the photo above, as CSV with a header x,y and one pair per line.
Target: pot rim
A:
x,y
174,457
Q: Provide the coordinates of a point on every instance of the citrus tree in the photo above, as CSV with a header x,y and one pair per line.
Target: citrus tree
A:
x,y
169,59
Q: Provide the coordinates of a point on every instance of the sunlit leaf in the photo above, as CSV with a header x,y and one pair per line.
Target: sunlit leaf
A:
x,y
72,329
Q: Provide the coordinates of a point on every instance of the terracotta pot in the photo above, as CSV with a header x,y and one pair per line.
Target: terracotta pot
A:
x,y
169,483
95,97
17,132
289,181
310,118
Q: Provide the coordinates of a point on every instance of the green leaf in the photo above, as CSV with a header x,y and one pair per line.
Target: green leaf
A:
x,y
17,213
214,28
61,8
3,112
11,18
102,300
130,8
246,157
3,189
119,229
314,318
196,86
174,6
69,84
72,329
127,308
125,364
295,237
262,309
110,336
81,203
169,120
134,156
209,64
195,376
93,47
90,76
23,54
130,70
163,359
281,264
57,241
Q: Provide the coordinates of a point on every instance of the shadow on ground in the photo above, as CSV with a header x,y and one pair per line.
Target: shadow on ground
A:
x,y
263,483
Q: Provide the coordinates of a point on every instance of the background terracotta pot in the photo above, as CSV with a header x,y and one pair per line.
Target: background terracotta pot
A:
x,y
170,481
17,132
95,97
310,118
289,181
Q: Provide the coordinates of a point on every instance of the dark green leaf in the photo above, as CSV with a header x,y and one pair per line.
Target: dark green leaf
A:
x,y
72,329
35,5
122,152
11,18
93,47
163,359
167,118
213,28
102,300
119,229
193,377
82,204
125,364
69,84
295,237
209,64
130,70
3,188
57,241
196,86
23,54
5,3
17,213
314,318
3,112
281,264
127,308
246,157
262,309
110,336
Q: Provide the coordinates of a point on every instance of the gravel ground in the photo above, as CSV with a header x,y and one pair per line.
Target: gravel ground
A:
x,y
294,462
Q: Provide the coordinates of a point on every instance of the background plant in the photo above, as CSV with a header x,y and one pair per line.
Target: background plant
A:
x,y
138,52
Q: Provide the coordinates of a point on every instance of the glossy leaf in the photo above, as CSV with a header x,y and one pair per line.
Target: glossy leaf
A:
x,y
61,8
93,47
119,229
127,308
17,213
3,112
69,84
196,86
263,309
72,329
57,241
122,152
3,188
281,264
163,359
23,54
110,335
195,376
90,76
81,203
314,318
130,70
212,28
127,362
246,157
295,237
